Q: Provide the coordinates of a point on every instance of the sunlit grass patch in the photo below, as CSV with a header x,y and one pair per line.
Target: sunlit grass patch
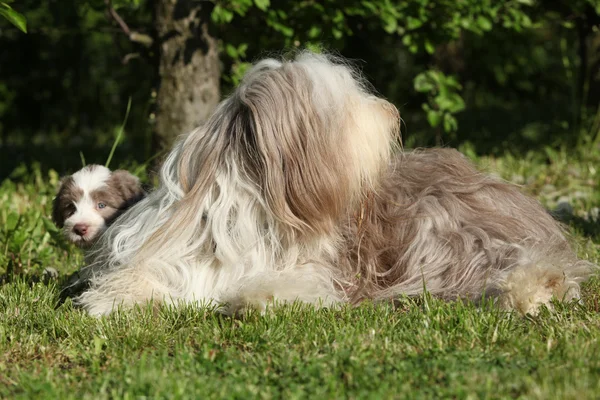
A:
x,y
411,348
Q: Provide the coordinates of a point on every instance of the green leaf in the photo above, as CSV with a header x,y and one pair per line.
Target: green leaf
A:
x,y
526,21
429,47
314,47
98,345
423,83
241,7
434,118
568,24
238,70
390,24
450,123
452,82
484,23
338,18
285,30
413,23
241,50
314,32
49,225
231,51
19,237
262,4
12,221
13,17
221,15
451,102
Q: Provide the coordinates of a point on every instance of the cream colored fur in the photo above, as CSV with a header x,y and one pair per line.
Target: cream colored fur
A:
x,y
295,189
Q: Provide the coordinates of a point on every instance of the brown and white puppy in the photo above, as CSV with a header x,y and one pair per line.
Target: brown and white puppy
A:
x,y
90,199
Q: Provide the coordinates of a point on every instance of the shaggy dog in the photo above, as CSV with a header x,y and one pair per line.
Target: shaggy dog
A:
x,y
88,201
292,191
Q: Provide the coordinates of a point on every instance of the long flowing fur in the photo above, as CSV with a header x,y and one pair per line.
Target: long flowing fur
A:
x,y
437,220
293,191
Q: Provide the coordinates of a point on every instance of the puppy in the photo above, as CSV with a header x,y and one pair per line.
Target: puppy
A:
x,y
91,199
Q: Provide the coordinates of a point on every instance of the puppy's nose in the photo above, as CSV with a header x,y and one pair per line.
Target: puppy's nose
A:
x,y
80,229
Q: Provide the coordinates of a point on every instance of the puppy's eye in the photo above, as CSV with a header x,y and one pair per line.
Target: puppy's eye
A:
x,y
101,205
70,210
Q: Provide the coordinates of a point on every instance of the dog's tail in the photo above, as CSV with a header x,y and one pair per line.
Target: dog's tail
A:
x,y
520,277
541,274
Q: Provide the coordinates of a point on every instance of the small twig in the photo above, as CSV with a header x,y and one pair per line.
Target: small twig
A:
x,y
130,57
134,36
113,13
141,38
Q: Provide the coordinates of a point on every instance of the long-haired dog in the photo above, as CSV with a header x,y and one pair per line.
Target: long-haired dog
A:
x,y
293,190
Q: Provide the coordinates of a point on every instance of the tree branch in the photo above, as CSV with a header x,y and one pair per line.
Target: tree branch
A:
x,y
136,37
114,15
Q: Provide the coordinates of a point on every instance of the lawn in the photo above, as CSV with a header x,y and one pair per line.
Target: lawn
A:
x,y
415,348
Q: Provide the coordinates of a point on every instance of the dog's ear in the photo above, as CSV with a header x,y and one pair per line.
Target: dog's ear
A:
x,y
63,200
57,217
302,172
128,187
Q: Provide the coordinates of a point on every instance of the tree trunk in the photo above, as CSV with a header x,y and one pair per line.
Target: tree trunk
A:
x,y
189,69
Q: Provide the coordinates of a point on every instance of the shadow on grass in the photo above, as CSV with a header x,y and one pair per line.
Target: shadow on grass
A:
x,y
588,226
69,286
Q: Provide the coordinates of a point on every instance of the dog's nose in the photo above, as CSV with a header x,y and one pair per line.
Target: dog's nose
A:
x,y
80,229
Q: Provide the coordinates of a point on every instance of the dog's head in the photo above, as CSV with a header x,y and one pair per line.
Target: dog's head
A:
x,y
306,133
90,199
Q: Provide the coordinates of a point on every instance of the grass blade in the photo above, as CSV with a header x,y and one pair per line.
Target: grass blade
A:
x,y
119,134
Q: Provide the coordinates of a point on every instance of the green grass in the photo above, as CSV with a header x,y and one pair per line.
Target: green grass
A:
x,y
417,348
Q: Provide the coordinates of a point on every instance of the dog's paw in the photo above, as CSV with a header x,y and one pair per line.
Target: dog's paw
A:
x,y
244,304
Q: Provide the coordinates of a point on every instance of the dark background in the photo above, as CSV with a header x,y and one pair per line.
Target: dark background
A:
x,y
528,70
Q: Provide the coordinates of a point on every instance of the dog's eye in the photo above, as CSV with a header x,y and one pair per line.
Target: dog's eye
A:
x,y
70,210
101,205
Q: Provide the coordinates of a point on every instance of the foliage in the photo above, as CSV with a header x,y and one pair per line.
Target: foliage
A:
x,y
64,87
443,99
29,241
13,16
423,25
517,64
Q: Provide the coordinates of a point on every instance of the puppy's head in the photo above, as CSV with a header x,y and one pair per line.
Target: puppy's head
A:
x,y
90,199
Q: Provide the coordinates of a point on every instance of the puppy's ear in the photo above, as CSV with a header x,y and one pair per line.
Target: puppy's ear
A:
x,y
128,186
57,217
62,200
